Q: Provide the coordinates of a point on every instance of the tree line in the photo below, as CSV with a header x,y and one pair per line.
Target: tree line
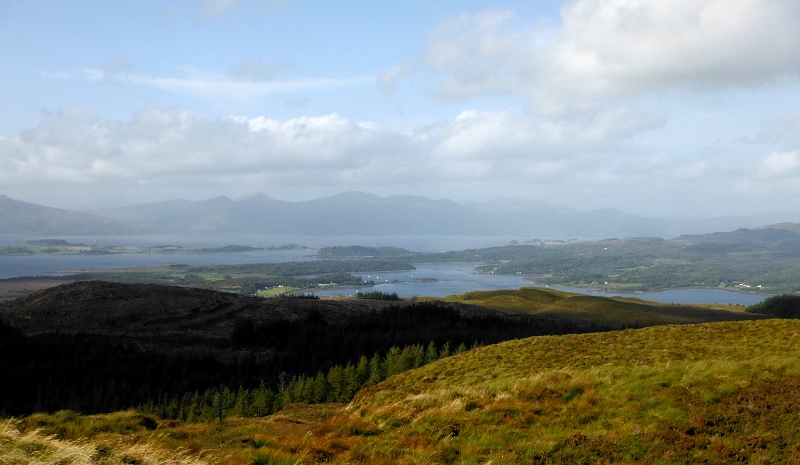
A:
x,y
338,384
311,359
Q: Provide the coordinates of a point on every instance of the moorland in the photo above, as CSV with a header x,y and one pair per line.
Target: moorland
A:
x,y
100,372
197,364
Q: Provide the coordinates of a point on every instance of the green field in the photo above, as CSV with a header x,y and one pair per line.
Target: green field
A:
x,y
276,291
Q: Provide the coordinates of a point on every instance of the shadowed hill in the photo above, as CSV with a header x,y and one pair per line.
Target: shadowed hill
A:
x,y
129,344
615,311
112,308
171,316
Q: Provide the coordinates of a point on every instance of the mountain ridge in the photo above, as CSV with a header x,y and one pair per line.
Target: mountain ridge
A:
x,y
23,218
358,213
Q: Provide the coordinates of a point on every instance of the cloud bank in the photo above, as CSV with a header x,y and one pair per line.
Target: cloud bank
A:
x,y
164,151
618,49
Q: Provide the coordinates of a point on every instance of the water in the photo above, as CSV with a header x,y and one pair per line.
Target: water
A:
x,y
43,265
458,279
678,296
449,278
415,243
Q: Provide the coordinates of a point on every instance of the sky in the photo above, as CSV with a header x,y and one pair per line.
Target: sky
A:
x,y
660,108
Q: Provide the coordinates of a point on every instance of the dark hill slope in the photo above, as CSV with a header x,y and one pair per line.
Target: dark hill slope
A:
x,y
603,311
173,319
169,316
128,344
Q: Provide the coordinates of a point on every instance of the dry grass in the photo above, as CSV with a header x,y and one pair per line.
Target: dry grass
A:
x,y
712,393
34,447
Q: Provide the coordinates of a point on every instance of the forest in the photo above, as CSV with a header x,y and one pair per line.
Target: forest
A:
x,y
97,373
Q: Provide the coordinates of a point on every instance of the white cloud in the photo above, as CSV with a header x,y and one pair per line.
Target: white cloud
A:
x,y
495,135
479,54
780,165
164,146
76,147
617,49
255,69
213,86
390,79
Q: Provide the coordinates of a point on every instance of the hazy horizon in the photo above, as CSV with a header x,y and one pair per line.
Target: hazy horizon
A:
x,y
660,109
792,214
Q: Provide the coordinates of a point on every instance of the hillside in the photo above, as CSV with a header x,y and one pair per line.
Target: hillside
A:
x,y
595,310
761,260
173,317
714,393
717,392
22,218
136,344
169,318
132,344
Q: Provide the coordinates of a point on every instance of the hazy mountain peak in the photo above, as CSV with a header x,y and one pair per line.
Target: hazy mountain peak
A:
x,y
514,204
353,196
254,196
218,199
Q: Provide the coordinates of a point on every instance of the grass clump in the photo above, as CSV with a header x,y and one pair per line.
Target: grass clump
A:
x,y
36,447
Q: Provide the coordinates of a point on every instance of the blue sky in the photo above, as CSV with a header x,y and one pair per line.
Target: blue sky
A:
x,y
652,107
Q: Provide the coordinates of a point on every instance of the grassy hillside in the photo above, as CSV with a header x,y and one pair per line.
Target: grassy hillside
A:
x,y
718,392
605,311
708,393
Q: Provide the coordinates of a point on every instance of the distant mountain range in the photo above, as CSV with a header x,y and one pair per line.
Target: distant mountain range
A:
x,y
22,218
360,214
